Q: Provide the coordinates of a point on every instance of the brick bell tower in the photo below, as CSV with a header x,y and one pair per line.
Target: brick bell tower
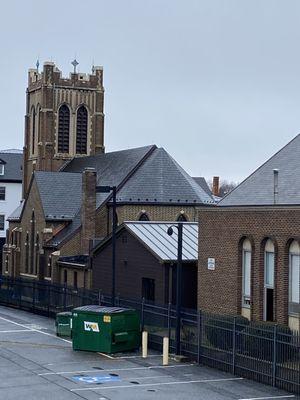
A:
x,y
64,118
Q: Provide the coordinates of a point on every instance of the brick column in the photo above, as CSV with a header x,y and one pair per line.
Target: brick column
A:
x,y
88,208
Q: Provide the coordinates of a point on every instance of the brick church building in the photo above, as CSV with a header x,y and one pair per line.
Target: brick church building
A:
x,y
61,217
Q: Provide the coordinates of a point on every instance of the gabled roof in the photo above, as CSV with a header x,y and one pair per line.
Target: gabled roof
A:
x,y
160,179
258,188
154,236
12,166
202,182
60,194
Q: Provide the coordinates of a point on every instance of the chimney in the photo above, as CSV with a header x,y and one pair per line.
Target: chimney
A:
x,y
275,182
215,186
88,208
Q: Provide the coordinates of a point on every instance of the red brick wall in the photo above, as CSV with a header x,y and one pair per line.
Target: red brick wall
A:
x,y
221,231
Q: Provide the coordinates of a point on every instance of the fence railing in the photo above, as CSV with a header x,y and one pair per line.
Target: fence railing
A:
x,y
263,352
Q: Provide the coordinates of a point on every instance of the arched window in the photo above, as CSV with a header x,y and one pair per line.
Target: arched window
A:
x,y
269,265
27,254
63,129
32,240
246,273
144,217
33,130
294,274
81,130
182,218
6,263
37,253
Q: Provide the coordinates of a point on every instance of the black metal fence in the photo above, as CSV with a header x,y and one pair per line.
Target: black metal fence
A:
x,y
263,352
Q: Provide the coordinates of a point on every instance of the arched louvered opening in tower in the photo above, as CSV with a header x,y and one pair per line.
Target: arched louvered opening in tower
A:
x,y
81,130
63,129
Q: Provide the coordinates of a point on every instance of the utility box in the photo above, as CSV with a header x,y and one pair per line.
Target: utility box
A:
x,y
63,324
105,329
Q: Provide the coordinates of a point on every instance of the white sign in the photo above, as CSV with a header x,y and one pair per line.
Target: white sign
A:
x,y
211,264
91,326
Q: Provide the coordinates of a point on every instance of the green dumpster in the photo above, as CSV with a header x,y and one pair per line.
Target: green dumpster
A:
x,y
105,329
63,323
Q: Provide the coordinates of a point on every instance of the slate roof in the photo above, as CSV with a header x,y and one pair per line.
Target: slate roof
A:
x,y
12,166
60,194
202,182
258,188
154,236
16,214
160,179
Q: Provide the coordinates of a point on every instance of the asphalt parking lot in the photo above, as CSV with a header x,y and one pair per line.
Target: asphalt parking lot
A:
x,y
35,364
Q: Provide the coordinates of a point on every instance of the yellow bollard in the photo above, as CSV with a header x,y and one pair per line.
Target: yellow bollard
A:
x,y
166,351
145,344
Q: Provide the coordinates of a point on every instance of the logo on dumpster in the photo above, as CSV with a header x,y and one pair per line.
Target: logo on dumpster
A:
x,y
91,326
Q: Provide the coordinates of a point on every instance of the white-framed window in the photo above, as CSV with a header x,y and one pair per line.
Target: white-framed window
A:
x,y
2,193
269,264
1,169
246,273
2,222
294,275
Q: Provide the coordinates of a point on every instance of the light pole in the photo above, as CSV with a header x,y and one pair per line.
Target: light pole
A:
x,y
179,227
113,189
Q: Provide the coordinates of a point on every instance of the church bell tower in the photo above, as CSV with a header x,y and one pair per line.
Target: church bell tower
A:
x,y
64,118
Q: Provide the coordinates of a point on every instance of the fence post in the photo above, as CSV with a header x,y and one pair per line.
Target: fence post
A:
x,y
169,322
274,356
33,296
48,300
199,329
143,316
233,345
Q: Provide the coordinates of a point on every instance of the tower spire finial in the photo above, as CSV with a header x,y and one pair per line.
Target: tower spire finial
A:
x,y
37,64
75,63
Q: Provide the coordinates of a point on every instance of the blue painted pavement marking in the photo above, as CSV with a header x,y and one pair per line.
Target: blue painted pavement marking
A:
x,y
96,379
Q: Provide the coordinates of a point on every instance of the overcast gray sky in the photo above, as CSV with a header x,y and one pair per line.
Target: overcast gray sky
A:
x,y
216,83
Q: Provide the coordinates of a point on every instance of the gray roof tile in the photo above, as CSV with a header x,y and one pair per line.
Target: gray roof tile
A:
x,y
258,188
12,166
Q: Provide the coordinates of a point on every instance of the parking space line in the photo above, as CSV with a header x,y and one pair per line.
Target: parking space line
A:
x,y
16,330
271,397
116,369
35,330
156,384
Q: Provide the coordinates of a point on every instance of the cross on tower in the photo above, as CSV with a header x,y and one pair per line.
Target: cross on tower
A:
x,y
75,63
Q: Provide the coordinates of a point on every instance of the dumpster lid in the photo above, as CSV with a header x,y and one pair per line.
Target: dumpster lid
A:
x,y
66,313
103,310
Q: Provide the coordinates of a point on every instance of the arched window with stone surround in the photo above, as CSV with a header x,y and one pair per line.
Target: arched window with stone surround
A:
x,y
269,267
294,276
81,130
144,217
182,217
33,116
32,242
246,273
63,132
37,254
27,254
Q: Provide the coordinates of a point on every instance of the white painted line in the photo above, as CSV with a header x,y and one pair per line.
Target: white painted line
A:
x,y
17,330
35,330
106,355
125,357
271,397
115,369
156,384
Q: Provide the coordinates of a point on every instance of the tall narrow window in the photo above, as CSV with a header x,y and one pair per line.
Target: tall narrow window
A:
x,y
37,253
75,280
294,276
81,130
246,273
148,289
269,281
65,277
32,241
33,130
63,129
27,254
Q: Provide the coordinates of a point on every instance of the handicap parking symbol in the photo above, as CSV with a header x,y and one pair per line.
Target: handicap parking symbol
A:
x,y
95,379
